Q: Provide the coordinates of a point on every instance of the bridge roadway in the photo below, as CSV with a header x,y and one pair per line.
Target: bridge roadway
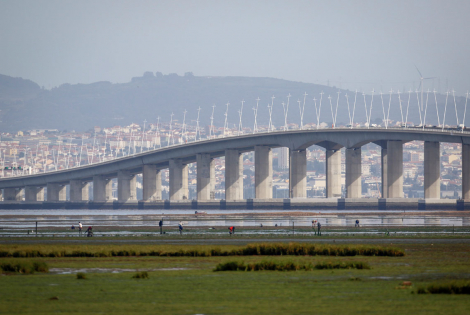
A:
x,y
176,158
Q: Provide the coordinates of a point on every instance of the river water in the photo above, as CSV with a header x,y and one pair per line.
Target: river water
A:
x,y
26,219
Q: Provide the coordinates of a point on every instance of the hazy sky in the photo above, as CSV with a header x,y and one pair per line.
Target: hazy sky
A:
x,y
362,44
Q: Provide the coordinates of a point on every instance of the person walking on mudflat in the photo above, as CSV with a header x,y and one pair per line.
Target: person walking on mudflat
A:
x,y
180,227
319,228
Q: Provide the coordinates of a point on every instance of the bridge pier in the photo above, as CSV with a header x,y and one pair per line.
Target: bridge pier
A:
x,y
353,173
34,193
432,170
465,171
263,172
126,186
79,190
12,194
178,180
298,173
151,183
102,189
333,173
383,160
56,192
233,175
205,176
395,169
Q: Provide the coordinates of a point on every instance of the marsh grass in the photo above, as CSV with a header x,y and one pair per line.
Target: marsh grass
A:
x,y
23,267
81,276
275,249
141,275
446,288
287,266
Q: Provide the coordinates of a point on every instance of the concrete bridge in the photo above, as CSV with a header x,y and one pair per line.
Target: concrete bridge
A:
x,y
176,157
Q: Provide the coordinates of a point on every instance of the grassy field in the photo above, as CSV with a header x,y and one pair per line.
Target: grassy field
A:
x,y
188,285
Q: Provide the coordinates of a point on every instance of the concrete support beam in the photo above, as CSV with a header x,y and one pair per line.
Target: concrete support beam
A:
x,y
79,190
126,186
333,173
56,192
384,159
395,169
40,194
151,183
353,173
298,173
263,172
34,193
11,194
465,171
205,176
233,175
102,189
178,180
432,170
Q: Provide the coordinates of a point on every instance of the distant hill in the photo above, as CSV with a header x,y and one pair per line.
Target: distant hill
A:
x,y
24,105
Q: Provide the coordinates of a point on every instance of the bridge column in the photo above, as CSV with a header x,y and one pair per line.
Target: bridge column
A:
x,y
33,193
178,180
465,171
233,175
333,173
205,176
263,172
395,169
126,186
432,170
151,183
12,194
384,159
79,190
102,189
353,173
56,192
298,173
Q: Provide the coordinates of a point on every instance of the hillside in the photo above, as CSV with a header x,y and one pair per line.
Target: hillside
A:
x,y
24,105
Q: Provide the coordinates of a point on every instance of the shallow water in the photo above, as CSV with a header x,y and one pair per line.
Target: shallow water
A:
x,y
66,271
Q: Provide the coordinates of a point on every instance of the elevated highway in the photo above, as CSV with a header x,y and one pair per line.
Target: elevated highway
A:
x,y
176,157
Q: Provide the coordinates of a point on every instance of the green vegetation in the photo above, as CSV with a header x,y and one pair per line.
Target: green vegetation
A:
x,y
81,276
188,284
287,266
446,288
279,249
23,267
141,275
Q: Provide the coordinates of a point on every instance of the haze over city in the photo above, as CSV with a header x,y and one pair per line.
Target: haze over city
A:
x,y
361,45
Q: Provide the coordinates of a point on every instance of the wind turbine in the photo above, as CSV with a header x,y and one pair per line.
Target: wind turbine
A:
x,y
421,85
